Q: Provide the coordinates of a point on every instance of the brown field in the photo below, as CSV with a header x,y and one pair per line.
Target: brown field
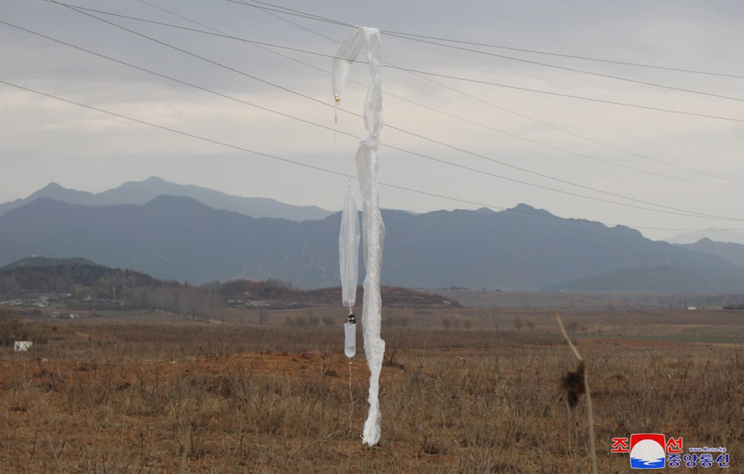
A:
x,y
462,390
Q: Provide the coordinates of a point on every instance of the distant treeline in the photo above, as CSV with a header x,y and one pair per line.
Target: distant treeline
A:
x,y
83,283
263,290
80,283
77,279
89,284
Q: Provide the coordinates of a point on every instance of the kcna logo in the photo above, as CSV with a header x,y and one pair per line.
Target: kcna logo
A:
x,y
651,451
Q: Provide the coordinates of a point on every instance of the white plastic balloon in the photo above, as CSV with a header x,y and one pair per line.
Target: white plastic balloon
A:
x,y
349,251
368,40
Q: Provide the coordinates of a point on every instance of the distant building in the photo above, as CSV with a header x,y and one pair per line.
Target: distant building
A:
x,y
63,316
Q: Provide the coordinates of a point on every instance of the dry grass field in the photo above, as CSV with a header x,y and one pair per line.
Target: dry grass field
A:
x,y
462,390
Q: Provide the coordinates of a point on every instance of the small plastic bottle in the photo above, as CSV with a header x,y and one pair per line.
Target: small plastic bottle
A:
x,y
350,336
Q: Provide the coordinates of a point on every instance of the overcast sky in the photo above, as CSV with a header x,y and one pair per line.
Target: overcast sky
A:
x,y
653,170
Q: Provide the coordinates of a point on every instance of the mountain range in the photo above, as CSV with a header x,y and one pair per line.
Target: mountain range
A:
x,y
139,193
180,238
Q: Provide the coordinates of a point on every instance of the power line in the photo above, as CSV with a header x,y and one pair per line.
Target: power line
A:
x,y
279,17
179,132
429,40
673,210
483,101
225,96
490,104
179,81
589,157
285,160
458,78
422,137
221,34
564,55
299,13
582,137
439,111
564,68
560,94
511,112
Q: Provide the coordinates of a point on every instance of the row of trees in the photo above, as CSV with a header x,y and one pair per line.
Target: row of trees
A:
x,y
91,282
261,290
79,279
180,300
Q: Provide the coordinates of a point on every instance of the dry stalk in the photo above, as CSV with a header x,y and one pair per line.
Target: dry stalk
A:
x,y
590,421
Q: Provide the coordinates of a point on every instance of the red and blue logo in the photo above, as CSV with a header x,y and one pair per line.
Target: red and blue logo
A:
x,y
647,451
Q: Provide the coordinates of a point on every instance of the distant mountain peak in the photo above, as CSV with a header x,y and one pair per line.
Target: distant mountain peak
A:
x,y
526,208
730,251
714,234
52,186
52,189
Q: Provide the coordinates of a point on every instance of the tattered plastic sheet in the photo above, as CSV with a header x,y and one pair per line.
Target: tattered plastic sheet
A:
x,y
368,40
